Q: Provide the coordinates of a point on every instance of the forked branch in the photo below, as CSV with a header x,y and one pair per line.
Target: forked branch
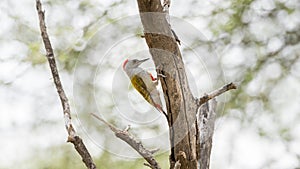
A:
x,y
133,142
72,136
216,93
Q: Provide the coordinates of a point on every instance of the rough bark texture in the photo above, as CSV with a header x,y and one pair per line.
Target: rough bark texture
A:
x,y
181,105
188,147
206,123
134,143
72,136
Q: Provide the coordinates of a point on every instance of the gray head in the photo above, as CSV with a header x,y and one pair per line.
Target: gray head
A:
x,y
132,63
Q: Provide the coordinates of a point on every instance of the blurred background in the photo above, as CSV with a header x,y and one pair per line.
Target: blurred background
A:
x,y
252,42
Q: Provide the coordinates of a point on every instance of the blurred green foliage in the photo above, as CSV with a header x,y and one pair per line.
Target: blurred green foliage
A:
x,y
69,39
58,157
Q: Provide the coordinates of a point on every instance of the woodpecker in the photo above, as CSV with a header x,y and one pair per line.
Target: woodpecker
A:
x,y
143,82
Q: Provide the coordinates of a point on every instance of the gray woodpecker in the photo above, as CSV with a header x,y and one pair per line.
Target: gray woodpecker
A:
x,y
143,82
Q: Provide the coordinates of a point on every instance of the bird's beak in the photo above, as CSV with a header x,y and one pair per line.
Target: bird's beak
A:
x,y
142,61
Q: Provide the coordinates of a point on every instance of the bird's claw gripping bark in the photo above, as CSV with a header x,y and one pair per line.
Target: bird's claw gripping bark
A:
x,y
161,75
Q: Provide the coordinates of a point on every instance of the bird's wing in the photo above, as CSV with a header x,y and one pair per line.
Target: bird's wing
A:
x,y
139,84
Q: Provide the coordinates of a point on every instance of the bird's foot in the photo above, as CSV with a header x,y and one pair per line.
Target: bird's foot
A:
x,y
161,75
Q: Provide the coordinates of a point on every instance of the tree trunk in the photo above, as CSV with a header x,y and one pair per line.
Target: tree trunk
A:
x,y
181,105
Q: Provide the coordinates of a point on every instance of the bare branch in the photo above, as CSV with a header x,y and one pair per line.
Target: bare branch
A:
x,y
148,165
216,93
206,117
135,144
112,128
72,136
154,150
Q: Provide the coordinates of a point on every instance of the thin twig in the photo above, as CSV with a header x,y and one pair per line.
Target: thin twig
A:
x,y
216,93
133,142
72,136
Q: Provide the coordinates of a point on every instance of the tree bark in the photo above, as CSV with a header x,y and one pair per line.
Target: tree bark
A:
x,y
190,137
180,103
206,123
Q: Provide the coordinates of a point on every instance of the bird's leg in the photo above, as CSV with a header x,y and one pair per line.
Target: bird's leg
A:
x,y
155,80
161,75
158,69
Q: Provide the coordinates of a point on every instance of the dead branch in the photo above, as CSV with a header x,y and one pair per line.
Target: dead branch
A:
x,y
216,93
133,142
206,118
72,136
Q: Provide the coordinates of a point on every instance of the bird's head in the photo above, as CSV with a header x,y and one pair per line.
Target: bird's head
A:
x,y
133,63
